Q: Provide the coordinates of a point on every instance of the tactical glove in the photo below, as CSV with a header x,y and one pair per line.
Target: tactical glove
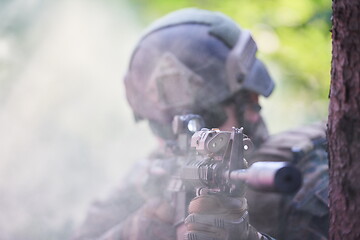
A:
x,y
217,217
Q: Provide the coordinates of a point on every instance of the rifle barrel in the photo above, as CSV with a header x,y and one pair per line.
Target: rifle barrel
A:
x,y
270,176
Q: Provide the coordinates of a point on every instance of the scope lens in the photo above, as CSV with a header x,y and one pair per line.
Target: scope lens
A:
x,y
194,125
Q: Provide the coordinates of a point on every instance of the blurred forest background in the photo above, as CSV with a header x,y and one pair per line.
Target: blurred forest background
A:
x,y
66,132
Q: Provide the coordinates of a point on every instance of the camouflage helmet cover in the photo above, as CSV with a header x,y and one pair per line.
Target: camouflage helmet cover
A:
x,y
190,60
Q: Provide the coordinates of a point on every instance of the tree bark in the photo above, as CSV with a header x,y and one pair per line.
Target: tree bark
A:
x,y
344,122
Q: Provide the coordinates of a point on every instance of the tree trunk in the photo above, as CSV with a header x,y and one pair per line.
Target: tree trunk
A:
x,y
344,122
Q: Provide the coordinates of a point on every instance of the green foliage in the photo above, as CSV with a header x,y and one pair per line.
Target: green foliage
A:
x,y
293,38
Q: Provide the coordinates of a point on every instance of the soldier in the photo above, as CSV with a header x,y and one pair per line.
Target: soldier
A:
x,y
201,62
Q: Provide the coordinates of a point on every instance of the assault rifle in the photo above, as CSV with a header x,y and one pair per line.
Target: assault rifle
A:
x,y
216,160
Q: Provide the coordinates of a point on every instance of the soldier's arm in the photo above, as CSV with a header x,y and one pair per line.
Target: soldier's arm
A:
x,y
104,216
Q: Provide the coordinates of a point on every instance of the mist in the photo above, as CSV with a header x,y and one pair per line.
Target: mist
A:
x,y
67,133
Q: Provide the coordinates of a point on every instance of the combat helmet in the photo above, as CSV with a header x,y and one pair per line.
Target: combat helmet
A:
x,y
191,61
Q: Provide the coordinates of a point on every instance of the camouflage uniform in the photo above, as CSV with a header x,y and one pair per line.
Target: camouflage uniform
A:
x,y
106,218
303,215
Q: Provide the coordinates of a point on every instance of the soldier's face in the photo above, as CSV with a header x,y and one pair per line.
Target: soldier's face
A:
x,y
251,117
231,118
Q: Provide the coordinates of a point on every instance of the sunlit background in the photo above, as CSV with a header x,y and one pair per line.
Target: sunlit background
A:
x,y
66,132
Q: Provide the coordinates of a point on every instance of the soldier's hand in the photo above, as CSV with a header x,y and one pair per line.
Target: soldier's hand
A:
x,y
217,217
153,221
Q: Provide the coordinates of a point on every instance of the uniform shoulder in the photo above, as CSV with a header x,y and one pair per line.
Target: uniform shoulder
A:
x,y
282,146
304,214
